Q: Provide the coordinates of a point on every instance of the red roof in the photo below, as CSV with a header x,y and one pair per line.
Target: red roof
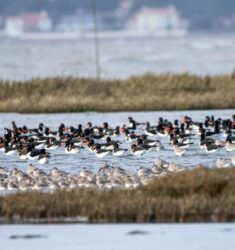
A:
x,y
31,20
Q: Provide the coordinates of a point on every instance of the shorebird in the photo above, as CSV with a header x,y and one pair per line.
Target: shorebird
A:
x,y
233,160
222,163
12,186
3,185
85,173
138,150
144,172
100,153
178,150
119,151
229,145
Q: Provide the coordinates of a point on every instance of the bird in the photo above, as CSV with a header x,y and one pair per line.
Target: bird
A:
x,y
233,160
44,158
35,153
100,153
137,150
144,172
211,148
222,163
119,151
178,150
151,131
70,148
229,145
116,151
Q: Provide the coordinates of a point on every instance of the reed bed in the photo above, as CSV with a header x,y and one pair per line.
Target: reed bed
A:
x,y
199,195
143,93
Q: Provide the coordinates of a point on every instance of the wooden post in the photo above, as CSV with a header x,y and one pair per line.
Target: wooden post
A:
x,y
97,45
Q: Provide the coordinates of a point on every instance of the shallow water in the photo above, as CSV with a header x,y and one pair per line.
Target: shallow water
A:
x,y
119,237
73,163
196,53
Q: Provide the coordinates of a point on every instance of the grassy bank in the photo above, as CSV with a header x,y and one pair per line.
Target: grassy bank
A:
x,y
201,195
146,93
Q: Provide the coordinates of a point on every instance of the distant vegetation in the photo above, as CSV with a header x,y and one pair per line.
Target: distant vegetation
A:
x,y
144,93
199,195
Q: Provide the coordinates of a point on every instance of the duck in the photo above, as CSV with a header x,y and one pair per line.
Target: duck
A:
x,y
35,153
119,151
175,142
131,124
150,131
149,145
44,158
70,148
100,153
111,144
131,137
211,148
150,142
52,143
204,141
11,150
138,150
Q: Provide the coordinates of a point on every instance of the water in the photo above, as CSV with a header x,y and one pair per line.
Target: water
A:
x,y
119,237
74,163
196,53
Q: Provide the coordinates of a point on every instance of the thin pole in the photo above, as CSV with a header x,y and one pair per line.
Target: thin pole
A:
x,y
97,45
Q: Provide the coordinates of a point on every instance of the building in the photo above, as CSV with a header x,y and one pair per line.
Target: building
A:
x,y
13,26
26,22
79,21
156,19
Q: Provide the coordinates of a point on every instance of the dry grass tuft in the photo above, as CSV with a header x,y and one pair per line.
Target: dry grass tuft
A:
x,y
145,93
199,195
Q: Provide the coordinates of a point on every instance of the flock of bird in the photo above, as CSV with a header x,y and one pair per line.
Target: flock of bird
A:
x,y
38,144
107,177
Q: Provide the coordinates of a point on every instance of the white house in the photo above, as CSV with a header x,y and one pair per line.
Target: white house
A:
x,y
29,21
156,19
14,26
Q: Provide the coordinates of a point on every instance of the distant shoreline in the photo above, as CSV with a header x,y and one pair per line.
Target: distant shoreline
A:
x,y
72,35
108,34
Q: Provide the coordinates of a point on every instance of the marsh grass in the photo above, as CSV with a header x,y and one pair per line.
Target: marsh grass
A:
x,y
200,195
142,93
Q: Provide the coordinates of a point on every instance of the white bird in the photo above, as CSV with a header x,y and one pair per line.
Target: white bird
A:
x,y
84,173
144,172
222,163
233,160
230,146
